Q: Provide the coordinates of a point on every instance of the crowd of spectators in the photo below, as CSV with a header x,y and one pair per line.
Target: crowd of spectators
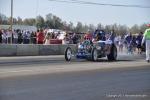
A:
x,y
17,37
39,37
131,42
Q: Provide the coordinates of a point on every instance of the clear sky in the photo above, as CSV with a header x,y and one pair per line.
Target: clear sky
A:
x,y
84,13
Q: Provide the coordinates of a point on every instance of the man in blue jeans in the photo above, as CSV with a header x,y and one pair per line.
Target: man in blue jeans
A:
x,y
128,40
139,41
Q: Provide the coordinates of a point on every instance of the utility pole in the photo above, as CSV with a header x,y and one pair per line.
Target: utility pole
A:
x,y
11,23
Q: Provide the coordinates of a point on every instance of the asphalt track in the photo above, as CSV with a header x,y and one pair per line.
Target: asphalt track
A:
x,y
52,78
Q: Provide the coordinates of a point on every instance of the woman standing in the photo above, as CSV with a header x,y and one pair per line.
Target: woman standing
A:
x,y
40,37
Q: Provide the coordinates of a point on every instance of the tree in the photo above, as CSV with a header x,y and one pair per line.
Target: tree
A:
x,y
29,21
67,27
58,22
100,26
142,28
108,28
14,21
91,28
9,20
49,21
26,21
122,29
70,26
40,22
19,21
53,21
85,28
134,29
79,27
3,19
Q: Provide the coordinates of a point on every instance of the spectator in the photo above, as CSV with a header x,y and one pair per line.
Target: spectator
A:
x,y
47,38
57,35
112,36
20,38
40,37
120,43
25,37
134,44
28,36
9,36
116,40
65,39
1,36
139,41
15,37
146,38
88,36
75,38
128,40
4,37
53,35
33,38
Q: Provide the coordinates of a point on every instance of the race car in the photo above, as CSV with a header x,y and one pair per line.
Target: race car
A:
x,y
93,50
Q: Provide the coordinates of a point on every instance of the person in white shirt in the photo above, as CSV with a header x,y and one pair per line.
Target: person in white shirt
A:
x,y
9,36
47,38
120,43
4,37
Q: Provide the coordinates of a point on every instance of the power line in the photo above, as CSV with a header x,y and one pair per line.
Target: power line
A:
x,y
98,4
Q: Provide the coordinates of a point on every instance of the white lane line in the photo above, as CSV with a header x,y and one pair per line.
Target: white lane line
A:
x,y
16,71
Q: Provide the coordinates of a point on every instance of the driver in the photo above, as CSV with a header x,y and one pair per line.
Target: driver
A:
x,y
100,35
104,40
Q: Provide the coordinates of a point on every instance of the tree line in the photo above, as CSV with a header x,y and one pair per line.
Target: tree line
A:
x,y
54,22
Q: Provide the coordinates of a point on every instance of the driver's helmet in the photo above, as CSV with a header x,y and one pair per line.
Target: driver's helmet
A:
x,y
100,35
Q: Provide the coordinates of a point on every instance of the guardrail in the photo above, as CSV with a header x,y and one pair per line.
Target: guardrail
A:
x,y
34,49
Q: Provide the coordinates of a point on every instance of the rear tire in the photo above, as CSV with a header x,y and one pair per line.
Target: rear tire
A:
x,y
68,54
113,53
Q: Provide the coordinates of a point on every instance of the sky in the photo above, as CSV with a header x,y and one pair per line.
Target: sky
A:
x,y
87,14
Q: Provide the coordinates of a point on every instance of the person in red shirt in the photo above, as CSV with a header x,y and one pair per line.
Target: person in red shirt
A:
x,y
40,37
88,36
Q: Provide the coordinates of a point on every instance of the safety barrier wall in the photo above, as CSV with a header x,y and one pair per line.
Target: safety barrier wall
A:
x,y
34,49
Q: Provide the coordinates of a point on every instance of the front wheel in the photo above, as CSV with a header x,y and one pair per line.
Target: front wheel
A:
x,y
68,54
113,53
94,54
